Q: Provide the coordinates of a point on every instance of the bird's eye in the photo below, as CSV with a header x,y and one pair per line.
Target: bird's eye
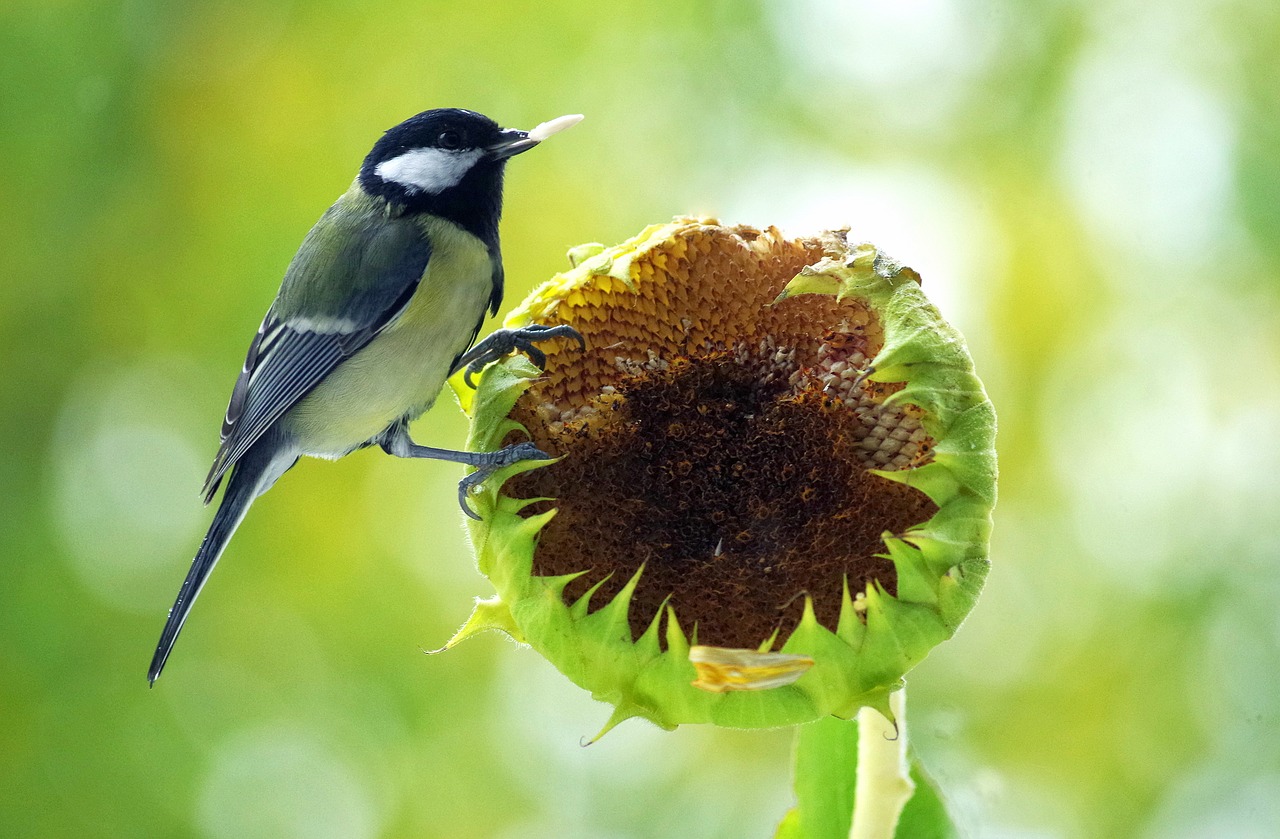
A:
x,y
449,140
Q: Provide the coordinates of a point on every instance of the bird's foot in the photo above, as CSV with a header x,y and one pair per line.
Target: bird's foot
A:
x,y
491,462
503,341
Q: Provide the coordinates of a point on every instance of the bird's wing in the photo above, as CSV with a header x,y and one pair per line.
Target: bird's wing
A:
x,y
356,270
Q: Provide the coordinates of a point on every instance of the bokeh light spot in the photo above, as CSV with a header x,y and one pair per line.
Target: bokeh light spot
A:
x,y
1148,157
1128,421
284,784
126,486
930,51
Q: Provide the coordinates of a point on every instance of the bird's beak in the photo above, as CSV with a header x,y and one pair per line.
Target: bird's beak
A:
x,y
513,141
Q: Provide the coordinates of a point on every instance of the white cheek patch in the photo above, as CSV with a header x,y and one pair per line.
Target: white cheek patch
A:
x,y
428,170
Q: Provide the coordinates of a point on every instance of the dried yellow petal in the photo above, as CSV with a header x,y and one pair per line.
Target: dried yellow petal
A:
x,y
722,669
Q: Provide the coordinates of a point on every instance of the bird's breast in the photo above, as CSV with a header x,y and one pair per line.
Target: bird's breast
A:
x,y
401,371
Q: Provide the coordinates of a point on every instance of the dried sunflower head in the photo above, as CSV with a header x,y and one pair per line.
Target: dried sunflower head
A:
x,y
773,451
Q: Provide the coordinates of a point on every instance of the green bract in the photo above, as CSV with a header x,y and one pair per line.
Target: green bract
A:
x,y
769,444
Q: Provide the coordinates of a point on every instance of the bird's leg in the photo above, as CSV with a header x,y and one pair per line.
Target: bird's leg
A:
x,y
395,441
503,341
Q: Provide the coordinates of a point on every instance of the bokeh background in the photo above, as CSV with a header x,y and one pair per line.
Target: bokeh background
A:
x,y
1090,189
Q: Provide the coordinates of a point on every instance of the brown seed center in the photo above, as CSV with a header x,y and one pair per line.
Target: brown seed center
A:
x,y
736,497
732,468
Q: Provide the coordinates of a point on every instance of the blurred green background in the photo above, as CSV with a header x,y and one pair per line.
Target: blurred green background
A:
x,y
1090,189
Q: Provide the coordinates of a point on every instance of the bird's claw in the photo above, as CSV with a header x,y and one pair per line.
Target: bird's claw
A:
x,y
501,459
502,342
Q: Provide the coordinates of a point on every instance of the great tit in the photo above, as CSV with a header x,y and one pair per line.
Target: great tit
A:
x,y
379,306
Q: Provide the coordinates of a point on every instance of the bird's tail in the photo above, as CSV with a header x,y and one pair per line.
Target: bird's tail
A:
x,y
253,475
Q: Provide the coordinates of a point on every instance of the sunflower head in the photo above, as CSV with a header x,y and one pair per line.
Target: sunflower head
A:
x,y
774,480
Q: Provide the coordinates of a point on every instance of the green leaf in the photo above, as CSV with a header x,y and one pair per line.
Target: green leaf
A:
x,y
826,770
925,816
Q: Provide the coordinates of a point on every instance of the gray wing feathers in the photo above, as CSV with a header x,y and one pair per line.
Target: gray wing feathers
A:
x,y
265,391
352,276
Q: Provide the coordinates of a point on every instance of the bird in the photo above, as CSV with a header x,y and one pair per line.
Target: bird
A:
x,y
381,304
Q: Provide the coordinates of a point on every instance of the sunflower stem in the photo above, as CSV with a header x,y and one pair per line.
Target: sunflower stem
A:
x,y
884,782
852,777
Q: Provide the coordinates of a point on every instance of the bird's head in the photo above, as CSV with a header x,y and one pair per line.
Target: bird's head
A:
x,y
449,162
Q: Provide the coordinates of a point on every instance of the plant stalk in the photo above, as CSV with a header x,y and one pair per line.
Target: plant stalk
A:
x,y
884,774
